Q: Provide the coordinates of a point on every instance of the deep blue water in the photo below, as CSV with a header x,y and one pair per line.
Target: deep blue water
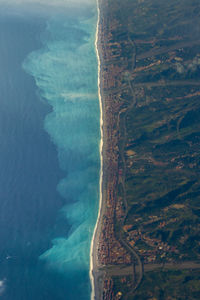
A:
x,y
49,157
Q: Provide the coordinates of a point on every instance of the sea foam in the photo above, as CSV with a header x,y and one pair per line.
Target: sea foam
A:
x,y
2,286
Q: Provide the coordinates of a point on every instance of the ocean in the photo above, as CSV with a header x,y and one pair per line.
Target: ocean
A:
x,y
49,148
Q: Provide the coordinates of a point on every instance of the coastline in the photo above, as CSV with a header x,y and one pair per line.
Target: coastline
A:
x,y
95,238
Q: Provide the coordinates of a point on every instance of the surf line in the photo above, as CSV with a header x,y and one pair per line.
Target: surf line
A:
x,y
93,248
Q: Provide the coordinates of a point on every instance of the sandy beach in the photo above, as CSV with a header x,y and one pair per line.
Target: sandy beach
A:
x,y
95,273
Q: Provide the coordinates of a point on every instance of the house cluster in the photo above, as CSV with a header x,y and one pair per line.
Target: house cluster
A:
x,y
108,293
110,250
154,249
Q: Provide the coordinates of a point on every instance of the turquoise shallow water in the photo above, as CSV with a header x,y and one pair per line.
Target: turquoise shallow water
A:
x,y
64,68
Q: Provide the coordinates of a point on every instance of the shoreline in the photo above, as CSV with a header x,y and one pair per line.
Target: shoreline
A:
x,y
94,241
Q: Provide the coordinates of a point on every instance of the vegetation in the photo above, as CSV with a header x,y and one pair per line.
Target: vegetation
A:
x,y
179,285
159,138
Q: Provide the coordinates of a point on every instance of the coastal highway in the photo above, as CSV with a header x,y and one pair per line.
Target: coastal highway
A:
x,y
128,270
